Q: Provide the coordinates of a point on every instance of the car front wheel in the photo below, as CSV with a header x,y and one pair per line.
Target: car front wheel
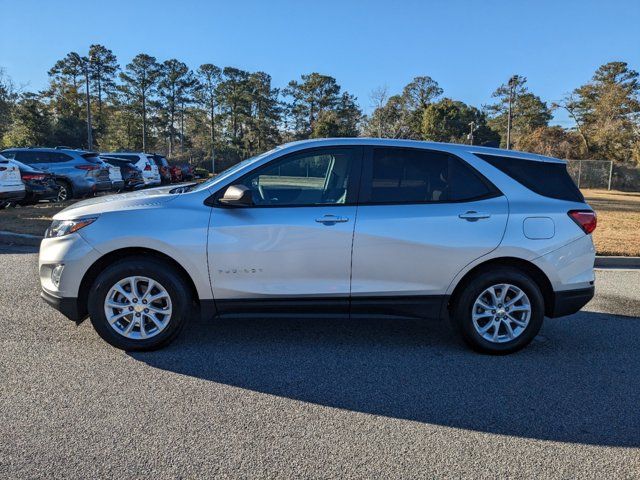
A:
x,y
139,304
500,311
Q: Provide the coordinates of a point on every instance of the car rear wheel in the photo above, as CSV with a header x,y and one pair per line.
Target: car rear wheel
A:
x,y
64,191
139,304
500,311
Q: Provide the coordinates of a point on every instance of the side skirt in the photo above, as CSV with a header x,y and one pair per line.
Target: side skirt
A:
x,y
424,306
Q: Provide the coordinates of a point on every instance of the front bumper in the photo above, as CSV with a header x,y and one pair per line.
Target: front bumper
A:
x,y
569,301
69,307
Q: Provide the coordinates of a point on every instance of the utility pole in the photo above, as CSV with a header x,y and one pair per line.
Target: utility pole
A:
x,y
472,128
89,128
512,86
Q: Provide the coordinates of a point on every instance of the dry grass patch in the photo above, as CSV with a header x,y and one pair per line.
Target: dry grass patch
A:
x,y
618,231
33,220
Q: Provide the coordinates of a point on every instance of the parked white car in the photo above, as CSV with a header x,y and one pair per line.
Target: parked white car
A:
x,y
12,188
491,239
146,164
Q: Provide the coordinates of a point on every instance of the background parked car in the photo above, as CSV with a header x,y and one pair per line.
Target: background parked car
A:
x,y
131,175
117,183
176,173
39,185
144,161
163,167
187,172
11,187
77,172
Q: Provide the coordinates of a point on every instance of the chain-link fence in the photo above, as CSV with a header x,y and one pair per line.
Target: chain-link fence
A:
x,y
604,174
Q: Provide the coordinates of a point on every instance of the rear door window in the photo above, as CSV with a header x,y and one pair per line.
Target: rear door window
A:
x,y
548,179
410,176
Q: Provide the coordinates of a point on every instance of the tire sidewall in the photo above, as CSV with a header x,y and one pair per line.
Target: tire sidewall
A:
x,y
464,306
156,270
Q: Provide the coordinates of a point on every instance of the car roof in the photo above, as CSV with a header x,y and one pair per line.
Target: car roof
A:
x,y
79,151
124,153
391,142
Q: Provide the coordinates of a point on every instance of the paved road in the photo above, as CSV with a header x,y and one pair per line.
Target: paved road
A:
x,y
323,398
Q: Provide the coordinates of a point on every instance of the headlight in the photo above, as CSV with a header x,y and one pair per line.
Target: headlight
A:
x,y
60,228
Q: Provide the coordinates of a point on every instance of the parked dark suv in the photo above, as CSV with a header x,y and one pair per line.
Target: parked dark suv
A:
x,y
163,167
78,173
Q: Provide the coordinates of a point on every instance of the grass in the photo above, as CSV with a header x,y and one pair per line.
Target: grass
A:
x,y
33,220
618,231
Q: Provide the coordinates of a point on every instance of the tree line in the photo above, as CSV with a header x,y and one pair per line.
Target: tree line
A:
x,y
230,113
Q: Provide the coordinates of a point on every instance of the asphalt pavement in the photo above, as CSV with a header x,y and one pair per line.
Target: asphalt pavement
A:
x,y
314,398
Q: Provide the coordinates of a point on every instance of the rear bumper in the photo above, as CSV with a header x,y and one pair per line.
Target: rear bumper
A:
x,y
13,195
39,192
67,306
569,301
103,186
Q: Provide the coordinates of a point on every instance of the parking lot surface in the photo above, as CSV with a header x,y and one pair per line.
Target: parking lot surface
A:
x,y
318,398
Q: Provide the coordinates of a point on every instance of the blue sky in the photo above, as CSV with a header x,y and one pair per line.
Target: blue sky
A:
x,y
468,47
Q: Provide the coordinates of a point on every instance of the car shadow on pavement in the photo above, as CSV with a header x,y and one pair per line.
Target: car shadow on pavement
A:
x,y
579,381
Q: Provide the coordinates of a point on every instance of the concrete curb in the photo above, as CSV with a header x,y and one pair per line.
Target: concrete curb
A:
x,y
11,238
617,262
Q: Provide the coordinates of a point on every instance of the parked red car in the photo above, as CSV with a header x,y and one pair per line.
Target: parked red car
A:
x,y
176,174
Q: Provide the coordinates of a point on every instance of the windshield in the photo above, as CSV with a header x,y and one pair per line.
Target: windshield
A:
x,y
231,170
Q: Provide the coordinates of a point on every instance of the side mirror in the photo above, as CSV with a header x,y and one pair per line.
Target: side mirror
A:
x,y
237,196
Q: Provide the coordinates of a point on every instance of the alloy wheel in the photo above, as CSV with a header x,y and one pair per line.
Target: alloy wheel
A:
x,y
138,308
501,313
63,194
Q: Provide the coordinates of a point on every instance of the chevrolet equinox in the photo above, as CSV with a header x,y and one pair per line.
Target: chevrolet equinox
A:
x,y
493,240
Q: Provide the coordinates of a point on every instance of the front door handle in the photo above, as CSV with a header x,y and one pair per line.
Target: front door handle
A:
x,y
472,216
329,219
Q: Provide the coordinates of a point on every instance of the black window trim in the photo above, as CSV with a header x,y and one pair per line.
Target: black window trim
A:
x,y
367,173
353,185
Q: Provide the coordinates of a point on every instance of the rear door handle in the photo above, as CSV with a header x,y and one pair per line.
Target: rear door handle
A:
x,y
327,219
472,215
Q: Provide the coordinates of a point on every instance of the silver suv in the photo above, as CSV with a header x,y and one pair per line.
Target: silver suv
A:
x,y
493,240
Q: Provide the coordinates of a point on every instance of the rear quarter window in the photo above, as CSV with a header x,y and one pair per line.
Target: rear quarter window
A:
x,y
548,179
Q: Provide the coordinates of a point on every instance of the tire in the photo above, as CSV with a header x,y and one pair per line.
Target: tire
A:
x,y
179,302
464,306
65,192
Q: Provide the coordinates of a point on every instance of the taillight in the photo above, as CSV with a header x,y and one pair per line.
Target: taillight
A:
x,y
33,176
87,167
147,167
585,219
2,169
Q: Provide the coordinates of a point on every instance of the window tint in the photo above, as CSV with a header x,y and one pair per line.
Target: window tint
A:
x,y
133,158
31,157
91,157
403,175
10,155
465,183
314,178
544,178
57,157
